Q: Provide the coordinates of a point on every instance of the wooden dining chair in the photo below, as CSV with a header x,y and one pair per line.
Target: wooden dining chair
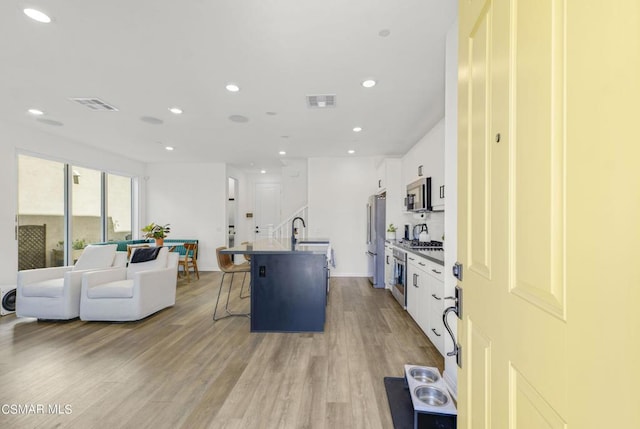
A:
x,y
189,260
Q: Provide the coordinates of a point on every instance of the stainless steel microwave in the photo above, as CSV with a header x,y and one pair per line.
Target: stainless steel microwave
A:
x,y
419,196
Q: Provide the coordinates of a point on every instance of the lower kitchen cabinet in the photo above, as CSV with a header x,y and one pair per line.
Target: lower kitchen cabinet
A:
x,y
425,300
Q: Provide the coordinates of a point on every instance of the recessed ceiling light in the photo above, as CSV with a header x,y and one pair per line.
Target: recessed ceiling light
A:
x,y
175,110
351,151
357,129
384,32
232,87
36,112
369,83
282,152
263,171
169,148
36,15
271,113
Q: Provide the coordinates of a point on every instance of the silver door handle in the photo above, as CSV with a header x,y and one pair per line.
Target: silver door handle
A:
x,y
434,295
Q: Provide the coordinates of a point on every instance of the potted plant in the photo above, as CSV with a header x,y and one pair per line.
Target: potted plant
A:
x,y
157,232
391,232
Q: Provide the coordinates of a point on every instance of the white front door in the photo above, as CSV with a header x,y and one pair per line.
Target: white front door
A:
x,y
267,209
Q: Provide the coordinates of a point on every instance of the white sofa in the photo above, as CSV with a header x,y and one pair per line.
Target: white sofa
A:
x,y
131,293
54,293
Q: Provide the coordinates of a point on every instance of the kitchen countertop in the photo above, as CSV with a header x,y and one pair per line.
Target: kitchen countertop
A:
x,y
436,256
276,245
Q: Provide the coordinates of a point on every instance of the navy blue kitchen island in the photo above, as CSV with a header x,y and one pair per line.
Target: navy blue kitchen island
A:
x,y
288,287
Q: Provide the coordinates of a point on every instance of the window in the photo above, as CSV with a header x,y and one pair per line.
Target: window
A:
x,y
54,225
118,208
86,209
40,213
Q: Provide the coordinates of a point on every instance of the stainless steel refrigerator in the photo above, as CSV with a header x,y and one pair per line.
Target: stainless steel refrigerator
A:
x,y
376,231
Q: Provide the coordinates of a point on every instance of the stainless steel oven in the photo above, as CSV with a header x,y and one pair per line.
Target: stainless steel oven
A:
x,y
399,286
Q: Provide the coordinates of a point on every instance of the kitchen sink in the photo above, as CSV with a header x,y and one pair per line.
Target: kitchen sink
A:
x,y
313,242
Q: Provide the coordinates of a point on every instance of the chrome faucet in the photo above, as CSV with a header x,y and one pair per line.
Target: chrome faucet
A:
x,y
293,231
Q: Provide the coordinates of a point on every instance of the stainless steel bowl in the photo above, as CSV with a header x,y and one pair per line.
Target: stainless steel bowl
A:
x,y
424,375
431,396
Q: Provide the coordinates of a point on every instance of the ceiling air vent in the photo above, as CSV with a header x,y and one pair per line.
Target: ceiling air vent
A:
x,y
321,101
95,104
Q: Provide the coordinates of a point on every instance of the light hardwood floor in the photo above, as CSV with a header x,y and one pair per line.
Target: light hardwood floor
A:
x,y
179,369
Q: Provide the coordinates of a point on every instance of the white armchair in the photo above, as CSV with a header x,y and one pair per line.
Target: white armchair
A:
x,y
131,293
54,293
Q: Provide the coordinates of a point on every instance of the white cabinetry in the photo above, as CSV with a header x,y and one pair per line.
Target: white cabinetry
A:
x,y
436,305
388,265
425,300
417,292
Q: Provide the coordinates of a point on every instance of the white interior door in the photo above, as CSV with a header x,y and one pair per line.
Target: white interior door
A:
x,y
267,209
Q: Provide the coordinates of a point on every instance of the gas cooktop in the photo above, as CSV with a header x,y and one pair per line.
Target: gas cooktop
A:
x,y
423,245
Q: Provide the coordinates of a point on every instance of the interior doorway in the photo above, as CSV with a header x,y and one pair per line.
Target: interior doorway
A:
x,y
267,209
232,211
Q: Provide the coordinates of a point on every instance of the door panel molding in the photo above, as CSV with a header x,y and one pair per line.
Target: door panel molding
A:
x,y
479,377
537,161
527,408
479,145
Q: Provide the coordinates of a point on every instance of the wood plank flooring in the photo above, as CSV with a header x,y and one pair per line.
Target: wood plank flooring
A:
x,y
179,369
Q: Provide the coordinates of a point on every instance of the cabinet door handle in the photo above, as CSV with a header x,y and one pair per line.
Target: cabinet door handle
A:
x,y
411,259
420,263
434,295
434,331
436,271
415,280
387,259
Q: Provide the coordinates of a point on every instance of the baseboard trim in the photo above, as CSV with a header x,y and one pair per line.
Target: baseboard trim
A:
x,y
451,383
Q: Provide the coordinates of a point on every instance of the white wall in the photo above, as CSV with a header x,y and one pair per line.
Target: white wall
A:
x,y
192,198
451,186
338,192
294,186
16,140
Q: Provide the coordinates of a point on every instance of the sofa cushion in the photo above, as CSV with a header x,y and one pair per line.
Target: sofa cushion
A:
x,y
117,289
48,288
157,264
96,257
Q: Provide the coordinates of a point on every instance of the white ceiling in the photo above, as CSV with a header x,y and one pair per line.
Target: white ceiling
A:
x,y
144,56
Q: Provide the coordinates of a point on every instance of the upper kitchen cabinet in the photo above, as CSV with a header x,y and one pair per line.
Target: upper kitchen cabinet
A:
x,y
426,159
388,175
389,182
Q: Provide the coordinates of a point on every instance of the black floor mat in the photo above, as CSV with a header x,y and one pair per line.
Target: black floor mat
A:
x,y
399,402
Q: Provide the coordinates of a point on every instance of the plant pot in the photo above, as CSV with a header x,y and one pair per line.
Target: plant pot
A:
x,y
159,242
391,235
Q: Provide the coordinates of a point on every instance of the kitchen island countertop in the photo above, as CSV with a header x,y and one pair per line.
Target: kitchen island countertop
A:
x,y
268,246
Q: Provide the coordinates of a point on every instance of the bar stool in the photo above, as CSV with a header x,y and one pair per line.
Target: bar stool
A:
x,y
248,258
228,267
